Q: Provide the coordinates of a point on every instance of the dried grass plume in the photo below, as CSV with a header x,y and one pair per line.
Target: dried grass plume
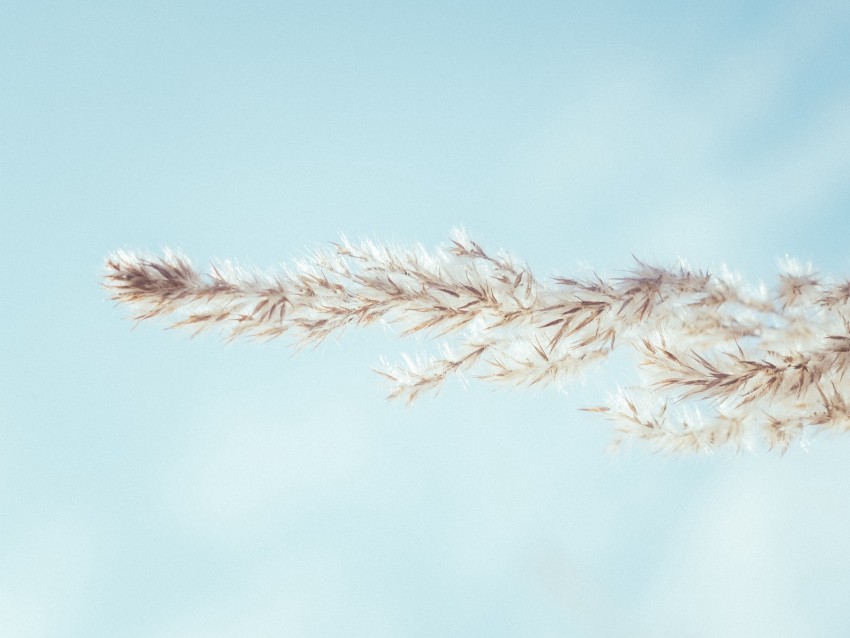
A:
x,y
722,363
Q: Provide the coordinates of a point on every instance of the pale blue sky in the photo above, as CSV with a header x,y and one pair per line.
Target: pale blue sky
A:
x,y
152,485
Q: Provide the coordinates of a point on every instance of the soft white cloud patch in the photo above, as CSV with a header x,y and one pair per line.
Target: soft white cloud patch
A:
x,y
762,554
237,467
305,594
725,574
45,579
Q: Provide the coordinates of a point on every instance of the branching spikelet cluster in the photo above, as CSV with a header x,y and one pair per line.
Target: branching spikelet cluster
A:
x,y
722,363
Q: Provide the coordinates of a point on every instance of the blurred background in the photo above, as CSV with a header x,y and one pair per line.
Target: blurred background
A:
x,y
154,485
